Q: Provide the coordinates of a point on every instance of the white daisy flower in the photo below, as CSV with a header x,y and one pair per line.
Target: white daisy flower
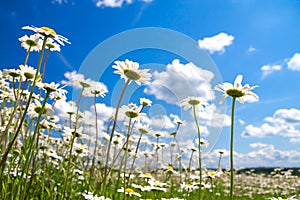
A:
x,y
33,42
129,111
143,129
51,45
35,108
12,72
188,187
145,102
193,101
129,70
27,72
242,93
48,32
203,142
129,192
95,89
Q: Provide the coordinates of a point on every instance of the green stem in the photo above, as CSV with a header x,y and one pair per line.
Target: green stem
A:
x,y
72,143
231,148
32,141
179,152
96,143
135,154
27,55
126,156
112,133
199,148
190,162
219,163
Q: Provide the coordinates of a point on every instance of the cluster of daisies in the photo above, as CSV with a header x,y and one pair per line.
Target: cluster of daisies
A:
x,y
52,148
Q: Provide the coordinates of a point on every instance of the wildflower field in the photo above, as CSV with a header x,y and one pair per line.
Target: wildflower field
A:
x,y
49,156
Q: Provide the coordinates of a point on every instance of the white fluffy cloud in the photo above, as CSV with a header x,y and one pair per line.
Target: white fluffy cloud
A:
x,y
160,122
257,145
269,69
179,81
116,3
284,122
216,43
294,63
104,112
212,117
265,155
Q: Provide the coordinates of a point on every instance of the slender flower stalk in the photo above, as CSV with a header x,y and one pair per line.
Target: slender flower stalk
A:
x,y
201,103
33,141
193,149
219,162
174,134
143,130
27,55
96,144
231,148
84,85
112,133
199,149
126,155
242,94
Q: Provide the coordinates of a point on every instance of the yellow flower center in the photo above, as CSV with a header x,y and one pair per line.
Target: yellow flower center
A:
x,y
129,190
13,74
235,93
148,175
29,75
211,173
142,130
173,133
131,114
194,102
39,109
188,185
31,43
49,30
132,75
50,46
170,168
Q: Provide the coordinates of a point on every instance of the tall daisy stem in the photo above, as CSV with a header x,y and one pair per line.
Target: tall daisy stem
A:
x,y
71,146
112,133
96,144
199,148
231,148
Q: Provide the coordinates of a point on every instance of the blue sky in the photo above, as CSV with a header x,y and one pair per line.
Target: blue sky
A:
x,y
260,40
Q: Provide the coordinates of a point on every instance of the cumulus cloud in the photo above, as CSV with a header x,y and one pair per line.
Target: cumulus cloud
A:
x,y
216,43
211,116
104,112
179,81
294,63
160,122
116,3
269,69
284,122
265,155
257,145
